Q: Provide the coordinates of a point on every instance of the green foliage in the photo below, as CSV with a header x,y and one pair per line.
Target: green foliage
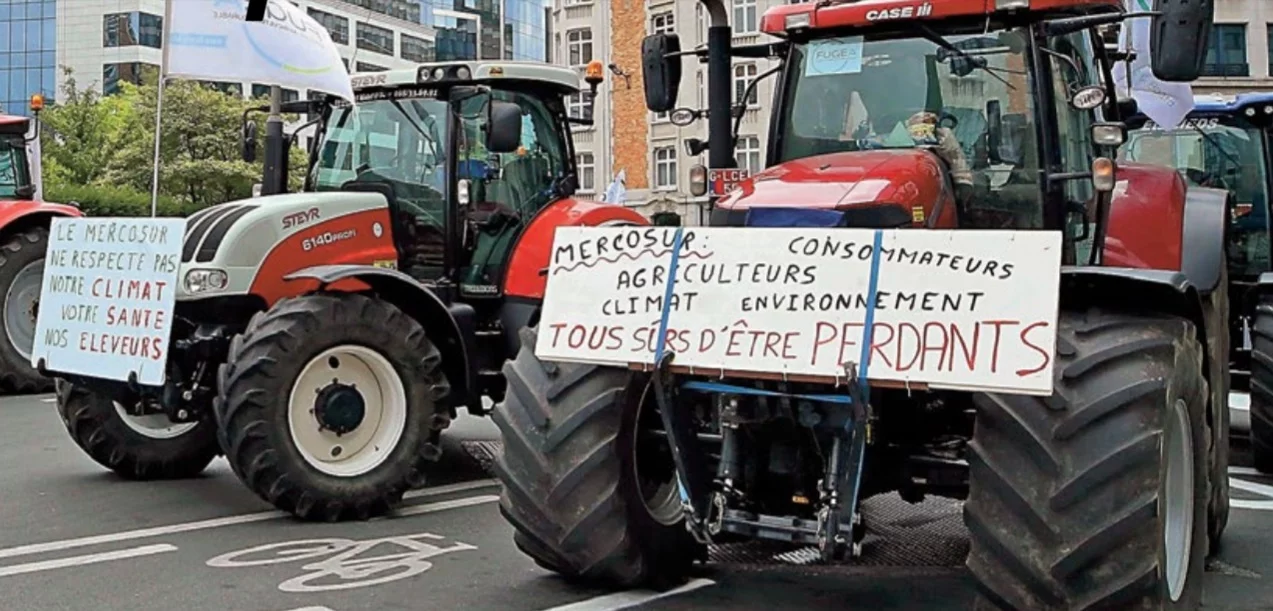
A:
x,y
103,200
99,150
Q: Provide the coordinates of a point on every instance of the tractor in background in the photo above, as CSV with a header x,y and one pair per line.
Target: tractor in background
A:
x,y
24,233
324,339
901,116
1224,143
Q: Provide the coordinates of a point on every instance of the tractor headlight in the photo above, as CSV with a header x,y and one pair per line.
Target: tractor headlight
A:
x,y
205,281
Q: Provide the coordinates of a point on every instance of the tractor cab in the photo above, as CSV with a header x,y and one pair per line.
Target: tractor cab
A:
x,y
464,153
934,115
18,179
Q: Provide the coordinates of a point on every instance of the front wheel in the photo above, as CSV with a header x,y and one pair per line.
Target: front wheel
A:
x,y
1262,386
328,406
21,277
1096,497
148,447
589,495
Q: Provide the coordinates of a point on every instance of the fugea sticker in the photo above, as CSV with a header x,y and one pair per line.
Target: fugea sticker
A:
x,y
900,12
326,239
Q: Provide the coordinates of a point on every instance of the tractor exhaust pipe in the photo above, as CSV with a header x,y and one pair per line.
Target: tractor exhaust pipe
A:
x,y
720,40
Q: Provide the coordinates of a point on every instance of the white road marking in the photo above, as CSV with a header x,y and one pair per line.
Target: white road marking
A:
x,y
60,563
631,598
311,609
156,531
415,510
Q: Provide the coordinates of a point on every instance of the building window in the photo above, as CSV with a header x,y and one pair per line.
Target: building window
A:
x,y
28,54
665,168
263,91
1226,51
374,38
579,46
1269,35
417,50
663,23
587,172
579,105
743,76
366,67
125,72
132,29
745,19
747,155
234,89
337,26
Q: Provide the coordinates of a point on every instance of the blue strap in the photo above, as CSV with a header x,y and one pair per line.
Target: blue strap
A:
x,y
868,333
720,388
667,294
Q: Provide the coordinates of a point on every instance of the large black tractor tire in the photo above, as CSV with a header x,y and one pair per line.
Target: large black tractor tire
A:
x,y
141,449
1262,386
1082,500
320,348
569,470
20,256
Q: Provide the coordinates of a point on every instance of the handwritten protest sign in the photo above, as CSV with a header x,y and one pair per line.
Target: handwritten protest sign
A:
x,y
953,309
106,307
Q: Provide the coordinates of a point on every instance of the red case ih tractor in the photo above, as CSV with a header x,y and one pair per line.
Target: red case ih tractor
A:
x,y
24,232
324,339
1106,494
1224,143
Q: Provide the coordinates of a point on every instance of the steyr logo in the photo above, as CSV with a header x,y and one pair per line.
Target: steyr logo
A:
x,y
297,219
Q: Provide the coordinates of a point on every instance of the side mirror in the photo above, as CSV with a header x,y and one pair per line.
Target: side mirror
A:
x,y
994,131
249,142
661,71
504,127
25,192
1178,38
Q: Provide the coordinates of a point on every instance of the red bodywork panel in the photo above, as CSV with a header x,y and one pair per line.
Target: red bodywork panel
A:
x,y
12,211
1146,218
531,255
876,12
908,178
289,255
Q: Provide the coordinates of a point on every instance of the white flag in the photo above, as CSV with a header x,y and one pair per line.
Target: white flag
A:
x,y
617,190
1164,103
211,40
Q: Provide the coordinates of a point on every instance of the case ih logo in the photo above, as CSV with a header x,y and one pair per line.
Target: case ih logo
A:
x,y
300,218
325,239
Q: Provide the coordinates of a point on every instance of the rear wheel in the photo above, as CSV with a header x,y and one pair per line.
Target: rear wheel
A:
x,y
590,496
21,277
328,406
1262,386
148,447
1096,496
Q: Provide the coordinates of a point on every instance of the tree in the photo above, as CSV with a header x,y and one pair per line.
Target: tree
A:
x,y
100,140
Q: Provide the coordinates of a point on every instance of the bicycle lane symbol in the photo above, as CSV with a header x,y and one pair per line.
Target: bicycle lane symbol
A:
x,y
341,567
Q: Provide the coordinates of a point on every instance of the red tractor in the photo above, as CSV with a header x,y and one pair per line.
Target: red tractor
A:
x,y
24,232
324,339
901,116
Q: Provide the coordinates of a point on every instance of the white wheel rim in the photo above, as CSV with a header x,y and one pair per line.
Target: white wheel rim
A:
x,y
19,307
380,428
1177,502
154,426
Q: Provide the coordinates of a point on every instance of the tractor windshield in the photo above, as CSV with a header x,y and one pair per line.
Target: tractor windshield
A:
x,y
853,93
13,166
1226,153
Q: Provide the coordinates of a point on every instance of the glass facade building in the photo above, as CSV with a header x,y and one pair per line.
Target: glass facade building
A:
x,y
28,53
472,29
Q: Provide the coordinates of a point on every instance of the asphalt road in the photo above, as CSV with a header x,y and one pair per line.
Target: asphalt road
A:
x,y
73,536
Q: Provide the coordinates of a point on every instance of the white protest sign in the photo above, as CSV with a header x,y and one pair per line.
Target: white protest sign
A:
x,y
953,309
106,306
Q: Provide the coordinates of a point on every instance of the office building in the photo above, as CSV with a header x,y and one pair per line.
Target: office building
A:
x,y
28,53
1239,56
647,148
